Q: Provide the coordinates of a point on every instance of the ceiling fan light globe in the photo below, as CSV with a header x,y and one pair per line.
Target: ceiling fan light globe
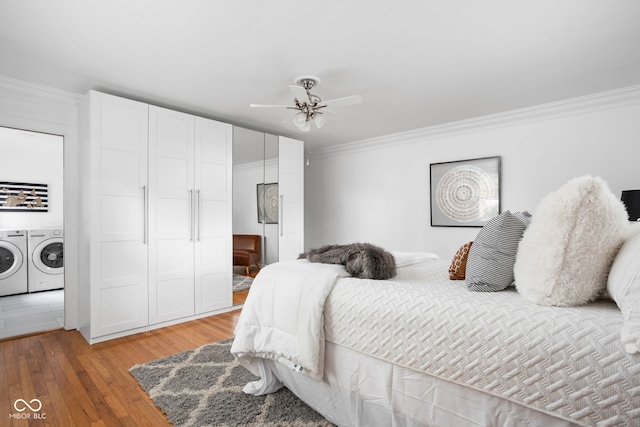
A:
x,y
299,119
319,120
301,122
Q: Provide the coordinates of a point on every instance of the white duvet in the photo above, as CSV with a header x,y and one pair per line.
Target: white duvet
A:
x,y
282,318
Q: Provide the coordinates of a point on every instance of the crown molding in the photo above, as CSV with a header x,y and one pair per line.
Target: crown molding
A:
x,y
618,98
257,165
38,90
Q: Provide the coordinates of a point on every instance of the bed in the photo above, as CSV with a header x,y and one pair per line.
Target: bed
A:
x,y
423,350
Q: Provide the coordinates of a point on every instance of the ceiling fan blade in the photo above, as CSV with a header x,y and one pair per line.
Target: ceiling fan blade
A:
x,y
347,100
334,115
300,93
268,106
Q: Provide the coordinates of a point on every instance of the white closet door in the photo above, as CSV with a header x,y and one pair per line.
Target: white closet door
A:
x,y
213,240
116,201
291,203
171,214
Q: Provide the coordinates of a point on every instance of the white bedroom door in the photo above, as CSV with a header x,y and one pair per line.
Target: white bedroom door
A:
x,y
291,198
213,212
172,214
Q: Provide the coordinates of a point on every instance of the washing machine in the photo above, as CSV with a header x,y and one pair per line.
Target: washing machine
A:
x,y
46,259
13,262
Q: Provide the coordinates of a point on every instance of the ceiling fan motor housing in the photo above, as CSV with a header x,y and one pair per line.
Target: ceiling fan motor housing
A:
x,y
307,82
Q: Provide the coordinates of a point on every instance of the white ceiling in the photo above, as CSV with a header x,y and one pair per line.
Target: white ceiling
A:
x,y
416,63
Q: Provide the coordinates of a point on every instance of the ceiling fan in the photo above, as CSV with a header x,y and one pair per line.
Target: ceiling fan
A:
x,y
309,107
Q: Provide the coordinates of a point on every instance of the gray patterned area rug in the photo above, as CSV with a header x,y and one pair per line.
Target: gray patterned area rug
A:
x,y
203,387
240,282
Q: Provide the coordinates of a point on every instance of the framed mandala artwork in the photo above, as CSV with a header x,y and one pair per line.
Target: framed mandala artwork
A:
x,y
268,203
465,193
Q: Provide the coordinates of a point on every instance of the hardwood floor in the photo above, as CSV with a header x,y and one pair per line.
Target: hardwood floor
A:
x,y
239,297
89,385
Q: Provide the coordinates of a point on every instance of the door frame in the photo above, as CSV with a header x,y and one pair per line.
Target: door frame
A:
x,y
70,209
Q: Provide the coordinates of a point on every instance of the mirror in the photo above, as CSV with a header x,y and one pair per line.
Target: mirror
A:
x,y
255,206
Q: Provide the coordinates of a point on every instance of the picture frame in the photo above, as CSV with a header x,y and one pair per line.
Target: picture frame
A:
x,y
267,203
23,197
465,193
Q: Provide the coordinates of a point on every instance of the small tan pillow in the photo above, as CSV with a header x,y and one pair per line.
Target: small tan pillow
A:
x,y
458,266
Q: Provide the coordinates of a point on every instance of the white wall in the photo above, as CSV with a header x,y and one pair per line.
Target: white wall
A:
x,y
378,190
33,157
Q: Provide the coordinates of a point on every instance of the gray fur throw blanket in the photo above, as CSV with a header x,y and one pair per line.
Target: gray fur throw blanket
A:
x,y
362,260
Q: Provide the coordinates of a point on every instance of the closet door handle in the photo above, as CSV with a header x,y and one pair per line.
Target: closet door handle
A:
x,y
191,211
281,214
198,216
145,215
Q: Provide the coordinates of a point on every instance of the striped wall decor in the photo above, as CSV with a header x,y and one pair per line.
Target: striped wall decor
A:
x,y
23,197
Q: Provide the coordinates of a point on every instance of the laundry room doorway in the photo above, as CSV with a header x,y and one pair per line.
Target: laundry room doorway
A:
x,y
31,232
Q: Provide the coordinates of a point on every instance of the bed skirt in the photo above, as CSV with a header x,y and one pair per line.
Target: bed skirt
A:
x,y
360,390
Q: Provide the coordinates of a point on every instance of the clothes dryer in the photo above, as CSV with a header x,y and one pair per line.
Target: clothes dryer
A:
x,y
46,259
13,262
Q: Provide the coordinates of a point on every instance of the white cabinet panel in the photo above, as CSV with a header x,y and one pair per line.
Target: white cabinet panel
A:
x,y
175,218
121,263
118,309
170,301
174,176
113,189
121,218
213,254
119,171
214,292
172,133
213,179
171,216
291,189
121,123
174,258
213,171
215,222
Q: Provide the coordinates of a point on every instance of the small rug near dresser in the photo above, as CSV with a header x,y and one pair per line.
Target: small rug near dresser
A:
x,y
203,387
240,282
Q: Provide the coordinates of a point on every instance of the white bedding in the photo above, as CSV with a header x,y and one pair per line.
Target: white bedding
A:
x,y
282,318
565,362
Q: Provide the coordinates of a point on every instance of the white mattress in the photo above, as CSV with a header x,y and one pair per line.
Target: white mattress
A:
x,y
566,362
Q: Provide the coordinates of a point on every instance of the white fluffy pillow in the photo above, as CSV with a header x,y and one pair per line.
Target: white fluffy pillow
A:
x,y
624,287
565,254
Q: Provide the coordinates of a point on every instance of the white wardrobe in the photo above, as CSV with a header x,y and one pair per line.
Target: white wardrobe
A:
x,y
156,239
291,198
260,158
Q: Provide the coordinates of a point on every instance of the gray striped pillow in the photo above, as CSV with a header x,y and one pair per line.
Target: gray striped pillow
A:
x,y
493,253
